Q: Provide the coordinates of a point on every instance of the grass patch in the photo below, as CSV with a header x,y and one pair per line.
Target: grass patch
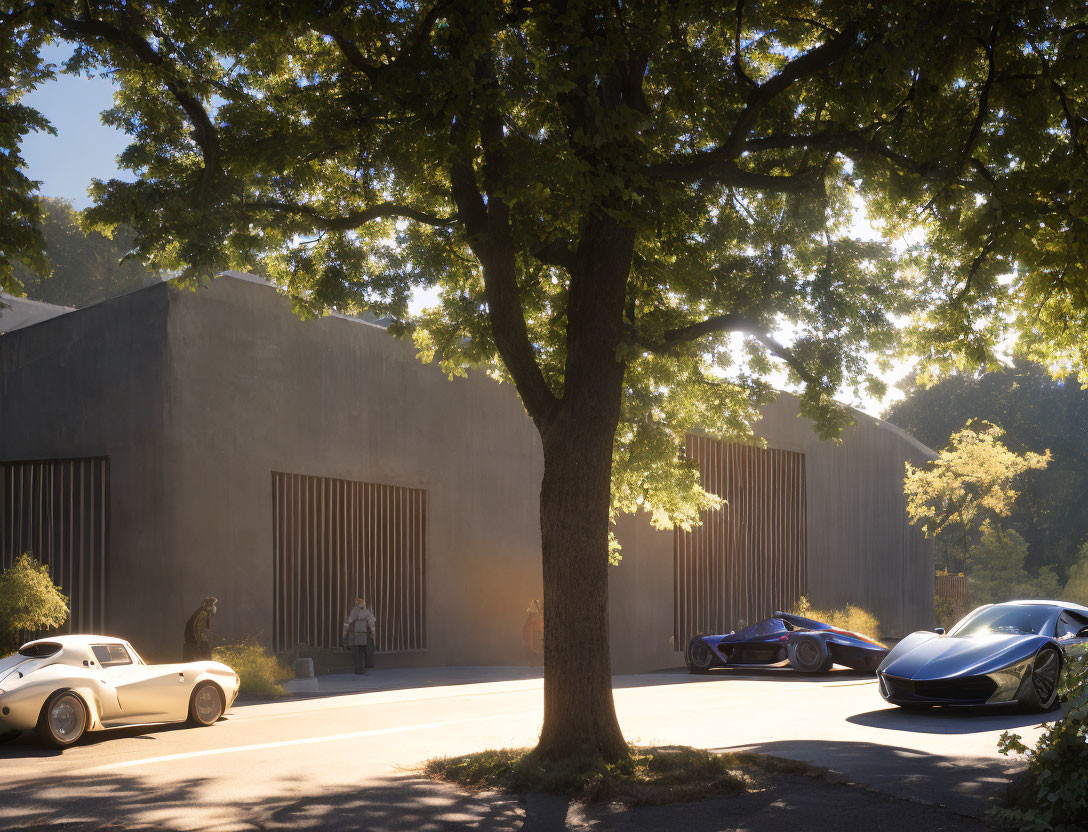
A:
x,y
850,617
652,776
258,670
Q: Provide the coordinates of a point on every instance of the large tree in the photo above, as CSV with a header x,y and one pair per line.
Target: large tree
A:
x,y
631,209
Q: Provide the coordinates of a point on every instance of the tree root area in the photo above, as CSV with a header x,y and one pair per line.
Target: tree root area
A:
x,y
650,776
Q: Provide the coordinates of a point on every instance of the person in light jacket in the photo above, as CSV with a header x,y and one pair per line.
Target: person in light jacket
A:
x,y
359,635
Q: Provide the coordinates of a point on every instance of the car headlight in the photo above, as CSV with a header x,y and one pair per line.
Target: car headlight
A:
x,y
1008,681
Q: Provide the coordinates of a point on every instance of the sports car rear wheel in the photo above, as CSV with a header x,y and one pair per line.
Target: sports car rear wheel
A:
x,y
700,656
206,704
63,719
808,654
1042,688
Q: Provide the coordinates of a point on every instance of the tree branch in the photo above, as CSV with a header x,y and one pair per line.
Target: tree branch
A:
x,y
207,138
374,71
731,322
487,228
733,176
558,252
346,222
701,166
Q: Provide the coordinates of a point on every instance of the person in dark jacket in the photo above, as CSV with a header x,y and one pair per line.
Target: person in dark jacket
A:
x,y
197,646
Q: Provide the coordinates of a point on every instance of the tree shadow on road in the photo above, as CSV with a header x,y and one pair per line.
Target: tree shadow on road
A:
x,y
967,785
84,803
410,802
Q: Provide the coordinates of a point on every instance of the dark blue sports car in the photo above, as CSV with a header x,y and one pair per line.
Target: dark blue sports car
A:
x,y
1000,654
785,640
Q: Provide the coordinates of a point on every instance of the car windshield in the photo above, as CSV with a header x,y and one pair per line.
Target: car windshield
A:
x,y
1005,619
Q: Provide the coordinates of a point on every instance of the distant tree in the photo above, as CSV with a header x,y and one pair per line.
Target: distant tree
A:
x,y
1037,412
1076,588
29,600
997,569
970,481
84,267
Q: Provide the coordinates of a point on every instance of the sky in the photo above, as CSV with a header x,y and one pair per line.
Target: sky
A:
x,y
85,149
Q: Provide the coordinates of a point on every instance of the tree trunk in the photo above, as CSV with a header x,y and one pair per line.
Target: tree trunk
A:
x,y
579,712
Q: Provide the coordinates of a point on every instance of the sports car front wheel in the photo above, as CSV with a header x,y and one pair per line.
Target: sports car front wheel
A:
x,y
63,719
700,656
206,705
1041,688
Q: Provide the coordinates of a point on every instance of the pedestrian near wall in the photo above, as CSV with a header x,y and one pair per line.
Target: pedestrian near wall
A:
x,y
359,635
196,644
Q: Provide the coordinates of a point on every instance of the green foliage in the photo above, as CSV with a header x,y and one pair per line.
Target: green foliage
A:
x,y
850,617
1053,796
1076,588
945,613
970,481
1037,412
358,153
258,670
997,569
29,600
21,69
84,268
649,776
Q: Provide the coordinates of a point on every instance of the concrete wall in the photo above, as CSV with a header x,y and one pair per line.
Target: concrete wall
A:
x,y
197,397
338,397
92,383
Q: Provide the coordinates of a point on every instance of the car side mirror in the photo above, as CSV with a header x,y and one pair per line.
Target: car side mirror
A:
x,y
939,630
1083,633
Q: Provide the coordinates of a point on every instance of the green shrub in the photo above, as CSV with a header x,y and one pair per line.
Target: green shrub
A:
x,y
1053,793
29,600
259,671
850,617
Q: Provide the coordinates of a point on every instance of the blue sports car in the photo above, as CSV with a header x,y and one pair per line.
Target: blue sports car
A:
x,y
785,640
1000,654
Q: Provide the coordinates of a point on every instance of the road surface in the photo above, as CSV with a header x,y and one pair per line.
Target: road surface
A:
x,y
292,764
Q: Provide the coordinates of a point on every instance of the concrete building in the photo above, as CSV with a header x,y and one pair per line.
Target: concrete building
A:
x,y
169,444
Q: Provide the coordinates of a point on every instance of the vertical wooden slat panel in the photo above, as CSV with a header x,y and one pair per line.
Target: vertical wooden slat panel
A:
x,y
335,538
748,558
58,512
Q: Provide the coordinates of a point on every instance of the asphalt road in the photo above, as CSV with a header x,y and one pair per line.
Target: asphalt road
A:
x,y
301,763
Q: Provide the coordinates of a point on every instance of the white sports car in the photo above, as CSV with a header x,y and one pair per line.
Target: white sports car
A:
x,y
67,685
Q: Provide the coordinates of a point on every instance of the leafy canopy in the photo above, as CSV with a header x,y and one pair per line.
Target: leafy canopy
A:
x,y
356,152
29,600
970,480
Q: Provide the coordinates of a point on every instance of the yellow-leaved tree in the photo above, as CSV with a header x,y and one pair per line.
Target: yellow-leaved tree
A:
x,y
971,480
29,600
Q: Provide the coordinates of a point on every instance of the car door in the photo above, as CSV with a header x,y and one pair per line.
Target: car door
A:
x,y
1072,634
146,693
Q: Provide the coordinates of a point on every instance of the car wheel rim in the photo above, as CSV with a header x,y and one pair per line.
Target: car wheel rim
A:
x,y
700,654
807,653
1044,676
207,704
67,719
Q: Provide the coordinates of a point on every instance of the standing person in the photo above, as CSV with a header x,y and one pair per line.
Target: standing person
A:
x,y
359,633
196,644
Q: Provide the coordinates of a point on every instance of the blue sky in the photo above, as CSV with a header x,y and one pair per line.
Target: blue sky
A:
x,y
84,148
